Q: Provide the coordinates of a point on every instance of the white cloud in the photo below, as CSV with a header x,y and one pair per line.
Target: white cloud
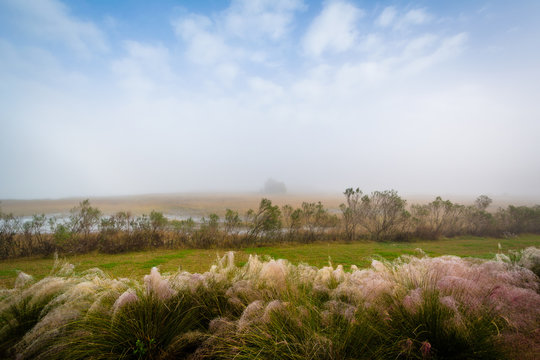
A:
x,y
413,17
419,45
50,20
192,25
242,94
207,45
227,73
204,46
333,30
387,16
417,17
265,91
256,18
144,68
239,33
446,48
390,17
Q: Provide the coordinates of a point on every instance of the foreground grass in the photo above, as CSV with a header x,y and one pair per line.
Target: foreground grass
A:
x,y
136,264
414,307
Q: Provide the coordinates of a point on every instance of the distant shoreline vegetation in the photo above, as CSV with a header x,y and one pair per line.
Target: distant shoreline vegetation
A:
x,y
379,216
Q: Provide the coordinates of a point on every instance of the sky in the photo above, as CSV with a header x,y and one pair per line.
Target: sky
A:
x,y
102,98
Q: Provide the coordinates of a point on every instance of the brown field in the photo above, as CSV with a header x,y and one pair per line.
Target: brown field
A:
x,y
201,204
192,204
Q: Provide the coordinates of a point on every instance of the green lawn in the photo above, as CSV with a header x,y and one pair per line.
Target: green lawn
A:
x,y
136,264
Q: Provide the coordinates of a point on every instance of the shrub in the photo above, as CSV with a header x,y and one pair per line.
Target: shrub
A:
x,y
265,221
383,215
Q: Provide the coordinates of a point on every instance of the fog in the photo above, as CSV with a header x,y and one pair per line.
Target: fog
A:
x,y
100,99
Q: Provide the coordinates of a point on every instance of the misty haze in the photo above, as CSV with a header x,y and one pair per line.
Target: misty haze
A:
x,y
287,179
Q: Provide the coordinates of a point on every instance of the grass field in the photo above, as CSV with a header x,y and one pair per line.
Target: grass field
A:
x,y
137,264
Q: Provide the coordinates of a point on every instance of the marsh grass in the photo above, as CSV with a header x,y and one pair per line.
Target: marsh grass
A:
x,y
435,330
148,328
18,318
414,307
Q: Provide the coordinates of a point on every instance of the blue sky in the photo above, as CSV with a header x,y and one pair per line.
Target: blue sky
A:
x,y
128,97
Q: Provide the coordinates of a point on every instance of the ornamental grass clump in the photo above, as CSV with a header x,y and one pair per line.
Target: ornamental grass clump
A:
x,y
28,305
411,308
147,327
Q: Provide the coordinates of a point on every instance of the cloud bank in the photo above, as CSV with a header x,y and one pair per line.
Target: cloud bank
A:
x,y
320,96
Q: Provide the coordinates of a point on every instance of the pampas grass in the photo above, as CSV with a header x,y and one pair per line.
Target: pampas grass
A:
x,y
415,307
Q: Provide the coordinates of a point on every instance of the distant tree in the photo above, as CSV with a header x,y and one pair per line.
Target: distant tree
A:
x,y
437,218
124,221
482,202
322,218
206,235
232,221
184,227
308,215
292,219
315,216
272,186
83,218
265,220
213,222
61,236
519,219
158,221
286,211
10,225
476,220
351,211
383,214
33,233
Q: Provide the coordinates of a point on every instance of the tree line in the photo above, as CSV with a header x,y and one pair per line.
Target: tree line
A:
x,y
378,216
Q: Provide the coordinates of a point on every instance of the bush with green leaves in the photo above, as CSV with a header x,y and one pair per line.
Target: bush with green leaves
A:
x,y
265,221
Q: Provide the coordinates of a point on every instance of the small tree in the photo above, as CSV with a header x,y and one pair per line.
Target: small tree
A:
x,y
315,218
383,214
9,227
213,222
232,222
84,218
308,216
61,237
33,233
207,234
158,223
482,202
437,218
124,221
519,219
350,211
477,221
184,228
286,211
265,220
292,219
